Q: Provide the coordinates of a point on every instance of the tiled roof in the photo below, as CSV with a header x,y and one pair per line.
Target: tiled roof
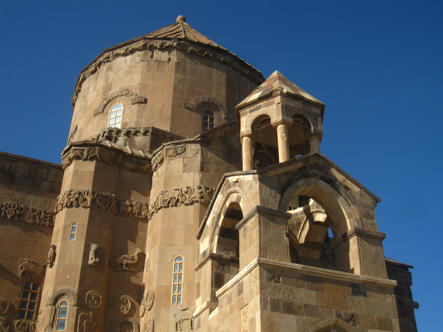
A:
x,y
277,82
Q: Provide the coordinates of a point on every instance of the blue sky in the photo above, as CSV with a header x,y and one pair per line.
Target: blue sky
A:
x,y
377,65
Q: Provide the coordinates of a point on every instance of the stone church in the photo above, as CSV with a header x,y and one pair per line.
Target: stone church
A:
x,y
192,196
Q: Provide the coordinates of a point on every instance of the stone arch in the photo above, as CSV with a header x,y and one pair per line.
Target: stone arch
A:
x,y
135,99
327,324
264,136
206,99
298,135
233,196
337,204
73,297
328,209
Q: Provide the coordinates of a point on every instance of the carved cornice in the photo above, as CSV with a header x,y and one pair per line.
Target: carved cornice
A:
x,y
135,99
188,47
206,99
167,152
112,155
26,214
89,198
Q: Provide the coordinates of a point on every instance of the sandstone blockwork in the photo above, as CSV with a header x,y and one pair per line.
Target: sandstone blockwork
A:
x,y
192,196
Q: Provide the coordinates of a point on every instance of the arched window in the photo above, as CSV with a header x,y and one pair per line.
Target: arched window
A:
x,y
29,300
115,117
177,281
62,316
208,120
73,231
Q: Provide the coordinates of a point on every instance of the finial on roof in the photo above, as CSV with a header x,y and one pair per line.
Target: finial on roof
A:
x,y
181,18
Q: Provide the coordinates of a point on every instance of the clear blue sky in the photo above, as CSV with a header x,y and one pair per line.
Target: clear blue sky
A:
x,y
377,65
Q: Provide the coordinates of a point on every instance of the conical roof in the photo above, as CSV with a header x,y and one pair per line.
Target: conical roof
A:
x,y
278,82
182,31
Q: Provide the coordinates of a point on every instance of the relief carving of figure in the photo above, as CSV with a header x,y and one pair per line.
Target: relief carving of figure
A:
x,y
31,269
93,254
120,304
125,260
51,256
86,322
93,299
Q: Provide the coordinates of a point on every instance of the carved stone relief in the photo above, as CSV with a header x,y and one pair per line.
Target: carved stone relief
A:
x,y
135,99
167,46
206,99
126,260
402,275
26,214
150,297
32,270
93,299
24,326
89,198
120,304
51,255
4,305
183,320
87,322
128,326
167,152
4,324
93,255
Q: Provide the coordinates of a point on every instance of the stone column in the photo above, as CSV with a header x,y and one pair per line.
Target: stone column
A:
x,y
314,144
283,144
247,153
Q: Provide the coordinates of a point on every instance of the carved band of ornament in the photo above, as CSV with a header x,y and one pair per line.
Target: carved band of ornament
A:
x,y
169,152
26,214
206,99
135,99
89,198
106,156
152,45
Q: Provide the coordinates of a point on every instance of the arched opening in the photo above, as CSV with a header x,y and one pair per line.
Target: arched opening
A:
x,y
226,260
320,217
298,135
265,142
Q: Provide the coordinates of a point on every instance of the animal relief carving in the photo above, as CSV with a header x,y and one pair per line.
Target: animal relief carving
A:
x,y
183,320
32,270
51,256
126,260
93,255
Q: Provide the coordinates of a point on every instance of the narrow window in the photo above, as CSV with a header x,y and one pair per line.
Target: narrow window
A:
x,y
62,316
208,120
115,117
73,232
177,281
29,300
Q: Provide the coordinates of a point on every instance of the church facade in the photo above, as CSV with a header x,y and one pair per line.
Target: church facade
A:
x,y
192,196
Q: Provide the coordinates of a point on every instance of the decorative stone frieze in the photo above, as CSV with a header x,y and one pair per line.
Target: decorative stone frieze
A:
x,y
151,46
32,270
206,99
167,152
126,260
135,99
184,196
26,214
89,198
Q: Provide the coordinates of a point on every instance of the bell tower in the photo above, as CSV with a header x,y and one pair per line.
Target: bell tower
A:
x,y
279,121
